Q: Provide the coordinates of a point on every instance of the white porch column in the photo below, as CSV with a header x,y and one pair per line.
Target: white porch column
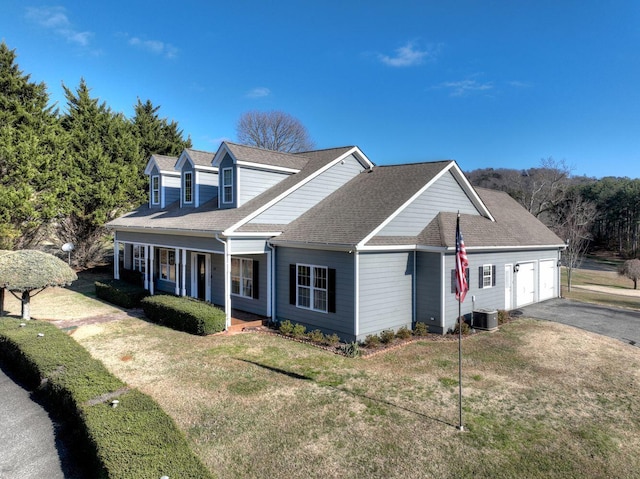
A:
x,y
183,276
116,259
177,266
151,263
146,266
227,284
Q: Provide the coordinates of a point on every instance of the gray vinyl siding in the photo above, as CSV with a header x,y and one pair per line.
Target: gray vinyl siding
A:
x,y
207,184
385,292
227,162
428,289
311,193
443,195
170,189
253,305
217,279
247,245
174,241
252,182
155,172
492,298
342,321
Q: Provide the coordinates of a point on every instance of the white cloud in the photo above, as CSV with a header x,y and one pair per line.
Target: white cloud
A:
x,y
406,56
465,87
56,20
156,47
259,92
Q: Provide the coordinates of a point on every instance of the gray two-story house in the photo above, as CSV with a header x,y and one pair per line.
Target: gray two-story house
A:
x,y
327,239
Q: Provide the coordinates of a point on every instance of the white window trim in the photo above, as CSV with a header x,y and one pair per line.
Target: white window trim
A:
x,y
224,185
184,189
168,265
241,278
489,276
312,289
155,190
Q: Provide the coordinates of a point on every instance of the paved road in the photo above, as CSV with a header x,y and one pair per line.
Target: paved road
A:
x,y
30,442
618,323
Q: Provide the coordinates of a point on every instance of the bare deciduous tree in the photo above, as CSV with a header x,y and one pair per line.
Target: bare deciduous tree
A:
x,y
573,223
631,269
273,130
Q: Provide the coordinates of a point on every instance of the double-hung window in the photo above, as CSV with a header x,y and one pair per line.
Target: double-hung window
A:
x,y
487,276
139,262
312,287
167,264
227,185
188,187
155,190
242,277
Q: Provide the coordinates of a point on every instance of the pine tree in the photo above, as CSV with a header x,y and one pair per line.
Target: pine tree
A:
x,y
31,148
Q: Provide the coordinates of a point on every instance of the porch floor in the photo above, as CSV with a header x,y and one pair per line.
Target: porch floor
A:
x,y
241,320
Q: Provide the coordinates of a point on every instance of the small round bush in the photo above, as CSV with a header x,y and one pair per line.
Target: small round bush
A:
x,y
371,341
421,329
403,333
387,336
299,331
286,327
316,336
331,339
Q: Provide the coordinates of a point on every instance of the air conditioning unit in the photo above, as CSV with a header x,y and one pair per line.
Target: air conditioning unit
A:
x,y
485,319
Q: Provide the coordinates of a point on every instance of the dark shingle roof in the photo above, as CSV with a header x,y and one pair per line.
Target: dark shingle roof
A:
x,y
208,218
165,163
199,157
348,215
267,157
513,226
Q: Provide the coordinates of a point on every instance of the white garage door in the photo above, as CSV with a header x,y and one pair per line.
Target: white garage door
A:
x,y
547,275
525,282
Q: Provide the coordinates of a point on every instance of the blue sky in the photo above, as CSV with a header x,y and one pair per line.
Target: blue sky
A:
x,y
489,84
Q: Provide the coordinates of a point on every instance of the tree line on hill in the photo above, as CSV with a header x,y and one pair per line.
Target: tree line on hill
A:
x,y
597,213
64,174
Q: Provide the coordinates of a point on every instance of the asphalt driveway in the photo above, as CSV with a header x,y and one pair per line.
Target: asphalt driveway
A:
x,y
618,323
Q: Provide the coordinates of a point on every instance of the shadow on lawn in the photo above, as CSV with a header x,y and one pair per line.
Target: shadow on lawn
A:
x,y
302,377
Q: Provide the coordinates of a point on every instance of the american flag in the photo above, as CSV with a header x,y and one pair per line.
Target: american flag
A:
x,y
462,263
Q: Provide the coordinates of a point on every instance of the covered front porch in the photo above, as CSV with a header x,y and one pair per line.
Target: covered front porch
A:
x,y
238,283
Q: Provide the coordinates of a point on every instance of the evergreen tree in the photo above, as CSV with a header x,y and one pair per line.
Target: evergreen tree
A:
x,y
31,148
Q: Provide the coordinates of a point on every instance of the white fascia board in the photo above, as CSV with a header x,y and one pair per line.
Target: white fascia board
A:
x,y
479,249
217,158
213,169
184,157
262,166
470,191
255,234
150,164
405,205
315,246
286,193
158,230
360,156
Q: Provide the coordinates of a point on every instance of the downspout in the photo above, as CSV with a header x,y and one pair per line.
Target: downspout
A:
x,y
443,287
227,283
271,283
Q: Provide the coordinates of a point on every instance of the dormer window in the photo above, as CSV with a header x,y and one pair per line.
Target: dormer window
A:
x,y
155,190
188,187
227,185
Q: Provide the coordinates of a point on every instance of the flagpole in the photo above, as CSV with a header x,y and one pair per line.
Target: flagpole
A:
x,y
460,296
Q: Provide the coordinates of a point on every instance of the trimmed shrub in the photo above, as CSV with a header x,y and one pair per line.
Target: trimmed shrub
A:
x,y
372,341
286,327
136,439
331,339
298,331
184,314
120,293
132,276
465,328
387,336
316,336
351,350
403,333
503,316
420,329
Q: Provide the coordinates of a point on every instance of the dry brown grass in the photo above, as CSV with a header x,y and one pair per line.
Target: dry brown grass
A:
x,y
540,400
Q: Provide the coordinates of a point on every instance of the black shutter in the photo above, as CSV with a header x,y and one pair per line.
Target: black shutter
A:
x,y
480,277
331,291
256,279
493,275
292,284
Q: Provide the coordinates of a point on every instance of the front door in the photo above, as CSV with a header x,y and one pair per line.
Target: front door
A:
x,y
508,281
201,278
